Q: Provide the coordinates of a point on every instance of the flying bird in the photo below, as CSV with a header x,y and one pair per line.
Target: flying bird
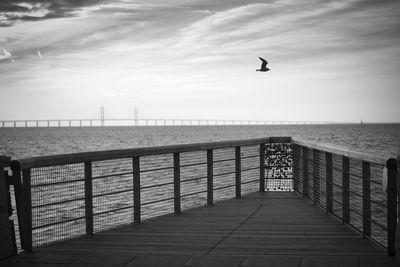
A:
x,y
39,54
7,55
263,65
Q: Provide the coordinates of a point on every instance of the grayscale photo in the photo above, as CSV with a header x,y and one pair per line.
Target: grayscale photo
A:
x,y
257,133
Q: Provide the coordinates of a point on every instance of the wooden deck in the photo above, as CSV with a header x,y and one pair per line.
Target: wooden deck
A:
x,y
261,229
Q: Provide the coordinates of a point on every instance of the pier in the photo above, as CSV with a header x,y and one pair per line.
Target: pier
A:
x,y
273,201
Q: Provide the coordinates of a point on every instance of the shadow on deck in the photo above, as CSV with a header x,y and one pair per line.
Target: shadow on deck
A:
x,y
261,229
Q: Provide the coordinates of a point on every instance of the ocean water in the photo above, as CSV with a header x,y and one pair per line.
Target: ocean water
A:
x,y
382,139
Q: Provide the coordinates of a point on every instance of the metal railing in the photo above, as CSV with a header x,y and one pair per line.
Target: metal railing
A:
x,y
348,185
65,196
76,194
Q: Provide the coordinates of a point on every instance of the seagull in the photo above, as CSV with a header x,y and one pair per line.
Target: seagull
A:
x,y
7,55
40,55
263,65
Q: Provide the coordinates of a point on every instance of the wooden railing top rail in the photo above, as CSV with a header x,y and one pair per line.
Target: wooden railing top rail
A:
x,y
45,161
5,161
373,158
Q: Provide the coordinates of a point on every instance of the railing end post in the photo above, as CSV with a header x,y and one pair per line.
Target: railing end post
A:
x,y
392,193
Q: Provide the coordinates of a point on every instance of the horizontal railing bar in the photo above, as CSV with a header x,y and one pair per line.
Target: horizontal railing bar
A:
x,y
250,169
223,160
57,183
108,211
60,222
223,187
192,164
356,212
252,181
156,185
59,202
356,193
193,179
113,193
379,159
110,175
157,169
157,201
224,173
384,227
62,159
193,193
249,157
337,201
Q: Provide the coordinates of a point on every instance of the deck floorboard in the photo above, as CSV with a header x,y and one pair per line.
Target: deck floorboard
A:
x,y
261,229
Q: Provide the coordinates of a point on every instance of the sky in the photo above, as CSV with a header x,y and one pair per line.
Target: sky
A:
x,y
332,61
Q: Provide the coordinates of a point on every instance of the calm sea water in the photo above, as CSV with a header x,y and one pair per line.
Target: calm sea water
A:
x,y
383,139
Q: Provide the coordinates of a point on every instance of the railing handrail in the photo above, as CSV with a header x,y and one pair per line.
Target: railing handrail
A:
x,y
60,159
342,151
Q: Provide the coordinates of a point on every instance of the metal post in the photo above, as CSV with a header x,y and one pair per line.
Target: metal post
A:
x,y
210,174
316,179
136,189
305,171
345,189
88,198
238,174
391,166
177,183
366,178
26,177
262,167
329,183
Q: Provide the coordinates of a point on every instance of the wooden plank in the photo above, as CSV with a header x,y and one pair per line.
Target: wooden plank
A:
x,y
258,224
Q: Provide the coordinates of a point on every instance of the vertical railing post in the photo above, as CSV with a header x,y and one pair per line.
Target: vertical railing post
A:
x,y
210,177
391,166
177,183
88,198
329,183
238,172
366,188
316,178
136,189
20,204
345,190
262,167
26,180
305,171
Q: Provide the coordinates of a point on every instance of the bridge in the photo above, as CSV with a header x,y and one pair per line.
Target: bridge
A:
x,y
136,121
273,201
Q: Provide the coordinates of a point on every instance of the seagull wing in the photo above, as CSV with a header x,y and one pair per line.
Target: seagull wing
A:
x,y
264,63
40,55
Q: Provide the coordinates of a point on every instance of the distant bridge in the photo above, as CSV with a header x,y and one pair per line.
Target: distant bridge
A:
x,y
135,121
142,122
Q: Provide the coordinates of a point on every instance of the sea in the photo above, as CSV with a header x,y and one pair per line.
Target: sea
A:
x,y
377,139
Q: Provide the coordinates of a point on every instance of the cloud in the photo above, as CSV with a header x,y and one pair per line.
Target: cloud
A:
x,y
12,11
